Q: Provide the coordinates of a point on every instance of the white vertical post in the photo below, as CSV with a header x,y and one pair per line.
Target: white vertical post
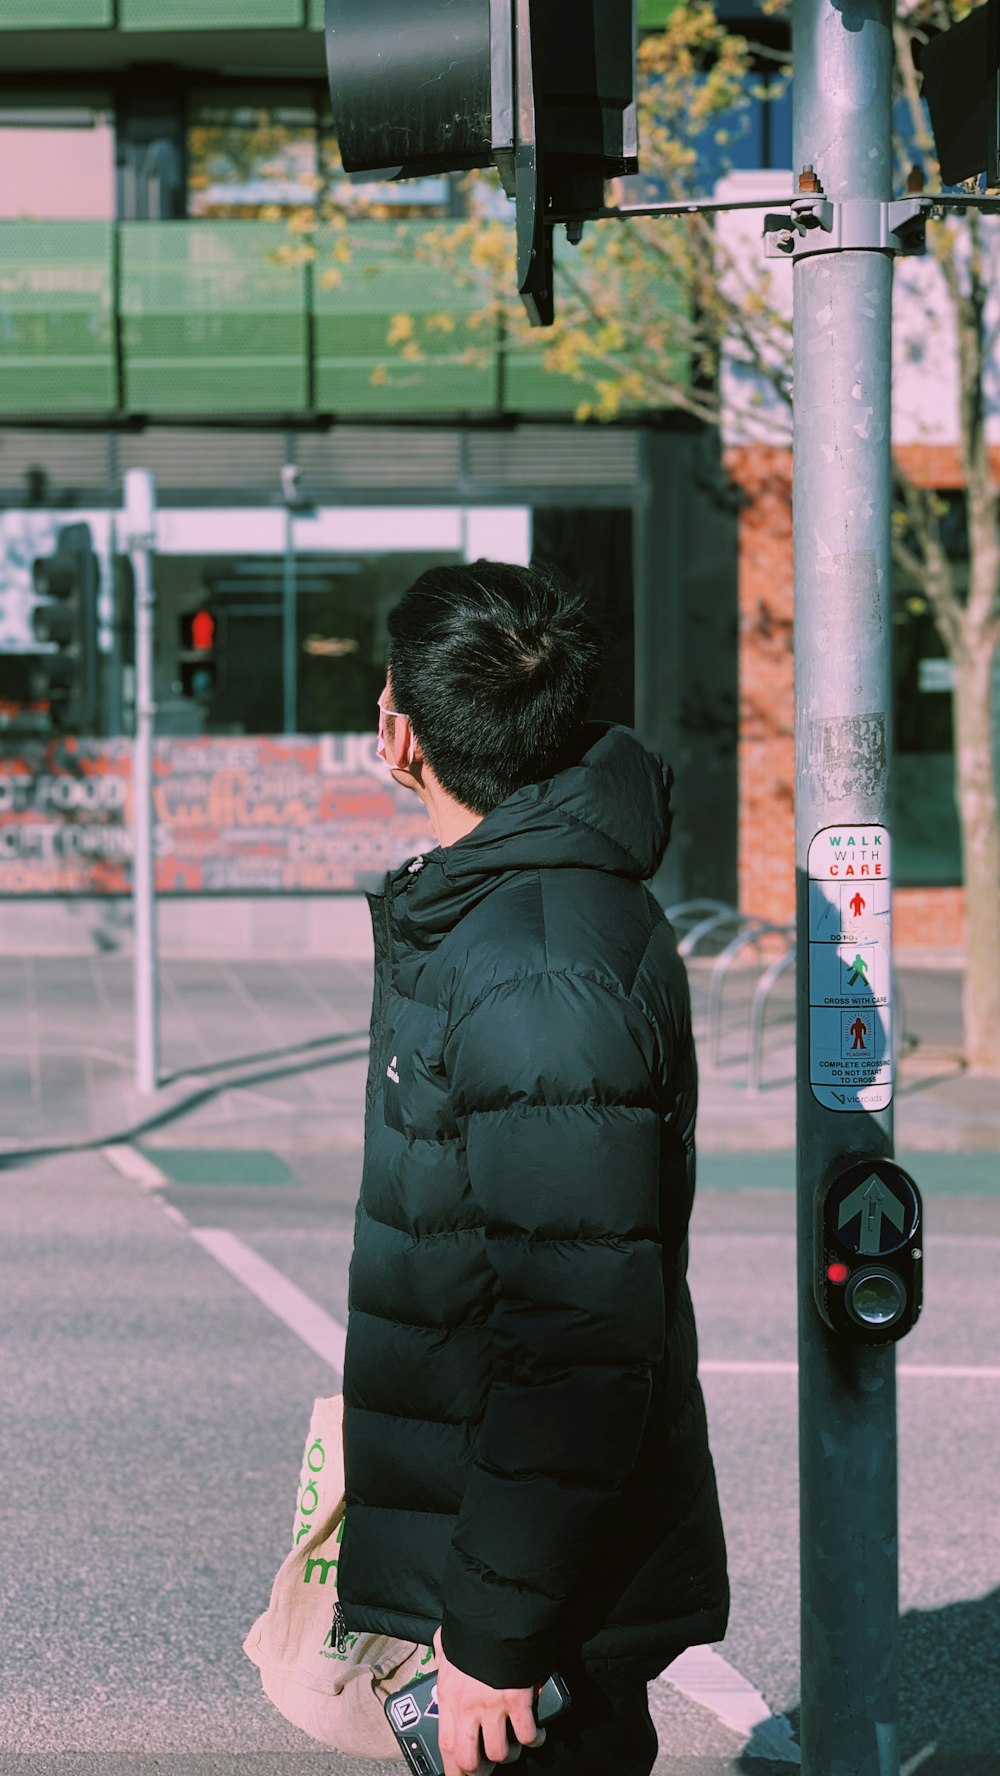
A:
x,y
140,534
289,648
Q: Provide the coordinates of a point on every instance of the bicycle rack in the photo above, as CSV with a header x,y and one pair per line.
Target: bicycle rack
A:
x,y
758,1012
697,919
754,931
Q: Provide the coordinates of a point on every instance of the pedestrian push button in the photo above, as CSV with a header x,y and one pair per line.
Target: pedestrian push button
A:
x,y
868,1271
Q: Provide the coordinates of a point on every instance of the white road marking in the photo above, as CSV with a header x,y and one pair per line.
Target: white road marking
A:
x,y
717,1366
912,1765
952,1371
134,1166
922,1371
290,1304
704,1675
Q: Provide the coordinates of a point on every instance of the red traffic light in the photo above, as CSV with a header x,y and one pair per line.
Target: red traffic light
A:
x,y
198,630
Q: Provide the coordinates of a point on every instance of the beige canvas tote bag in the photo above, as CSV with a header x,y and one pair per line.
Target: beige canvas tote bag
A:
x,y
335,1696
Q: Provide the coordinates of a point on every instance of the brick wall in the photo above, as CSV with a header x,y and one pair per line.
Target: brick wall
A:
x,y
938,465
929,918
766,853
922,917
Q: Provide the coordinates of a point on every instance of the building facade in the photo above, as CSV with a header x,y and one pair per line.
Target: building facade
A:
x,y
189,284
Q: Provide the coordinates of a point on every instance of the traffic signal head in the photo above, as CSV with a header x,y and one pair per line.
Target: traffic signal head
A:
x,y
576,125
66,622
542,89
868,1252
410,85
959,70
199,666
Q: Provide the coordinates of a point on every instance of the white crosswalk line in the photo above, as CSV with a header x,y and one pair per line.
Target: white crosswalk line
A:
x,y
134,1165
910,1371
707,1678
290,1304
913,1764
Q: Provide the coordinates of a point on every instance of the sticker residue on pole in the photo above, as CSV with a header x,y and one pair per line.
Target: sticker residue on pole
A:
x,y
850,989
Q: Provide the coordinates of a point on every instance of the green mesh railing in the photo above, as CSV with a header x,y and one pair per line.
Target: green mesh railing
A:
x,y
401,330
204,15
212,322
207,15
654,14
57,351
55,15
394,331
216,319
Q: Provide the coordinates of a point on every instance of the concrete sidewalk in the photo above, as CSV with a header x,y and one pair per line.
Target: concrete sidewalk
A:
x,y
272,1054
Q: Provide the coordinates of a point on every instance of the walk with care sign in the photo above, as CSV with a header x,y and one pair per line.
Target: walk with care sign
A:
x,y
335,1696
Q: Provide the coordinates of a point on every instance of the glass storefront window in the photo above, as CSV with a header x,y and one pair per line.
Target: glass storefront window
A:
x,y
341,603
57,160
271,156
926,838
383,201
253,158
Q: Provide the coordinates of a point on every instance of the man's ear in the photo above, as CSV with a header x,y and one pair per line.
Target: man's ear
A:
x,y
414,752
408,769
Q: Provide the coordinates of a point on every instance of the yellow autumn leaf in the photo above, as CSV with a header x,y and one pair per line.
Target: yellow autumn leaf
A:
x,y
400,329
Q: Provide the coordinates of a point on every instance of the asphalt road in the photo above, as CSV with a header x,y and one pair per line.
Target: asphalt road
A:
x,y
152,1417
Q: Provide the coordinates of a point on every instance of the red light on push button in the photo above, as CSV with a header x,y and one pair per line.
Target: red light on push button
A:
x,y
837,1272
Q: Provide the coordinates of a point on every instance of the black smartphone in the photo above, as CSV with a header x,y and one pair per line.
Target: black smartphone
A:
x,y
412,1714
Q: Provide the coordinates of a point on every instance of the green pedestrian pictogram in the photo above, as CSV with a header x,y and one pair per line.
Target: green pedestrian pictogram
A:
x,y
859,970
872,1200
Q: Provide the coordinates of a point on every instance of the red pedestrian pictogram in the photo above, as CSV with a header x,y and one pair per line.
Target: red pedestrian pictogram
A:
x,y
858,905
859,1032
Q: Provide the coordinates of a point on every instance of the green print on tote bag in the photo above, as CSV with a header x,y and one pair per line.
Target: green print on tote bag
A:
x,y
333,1689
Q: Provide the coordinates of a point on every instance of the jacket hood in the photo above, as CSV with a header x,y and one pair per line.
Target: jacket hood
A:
x,y
610,810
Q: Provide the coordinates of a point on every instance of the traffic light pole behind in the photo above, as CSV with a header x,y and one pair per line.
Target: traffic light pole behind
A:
x,y
842,380
140,533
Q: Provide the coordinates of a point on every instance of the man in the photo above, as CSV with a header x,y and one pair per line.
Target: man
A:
x,y
529,1482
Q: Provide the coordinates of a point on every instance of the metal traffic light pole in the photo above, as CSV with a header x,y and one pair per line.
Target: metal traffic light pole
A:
x,y
842,499
140,534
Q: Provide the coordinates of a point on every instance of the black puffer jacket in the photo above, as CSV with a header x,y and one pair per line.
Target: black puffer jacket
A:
x,y
527,1456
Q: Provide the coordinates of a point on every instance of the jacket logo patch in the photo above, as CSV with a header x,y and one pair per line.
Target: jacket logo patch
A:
x,y
391,1070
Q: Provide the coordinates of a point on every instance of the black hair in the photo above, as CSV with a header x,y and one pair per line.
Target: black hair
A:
x,y
495,667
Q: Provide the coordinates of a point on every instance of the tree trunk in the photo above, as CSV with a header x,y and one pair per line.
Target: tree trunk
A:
x,y
977,801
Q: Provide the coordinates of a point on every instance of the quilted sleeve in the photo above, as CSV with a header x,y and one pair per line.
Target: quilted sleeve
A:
x,y
552,1081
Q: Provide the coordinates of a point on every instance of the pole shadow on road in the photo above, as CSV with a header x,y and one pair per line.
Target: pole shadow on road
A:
x,y
949,1693
354,1047
347,1037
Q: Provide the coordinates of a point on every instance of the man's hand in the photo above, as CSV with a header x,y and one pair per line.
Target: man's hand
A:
x,y
468,1708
